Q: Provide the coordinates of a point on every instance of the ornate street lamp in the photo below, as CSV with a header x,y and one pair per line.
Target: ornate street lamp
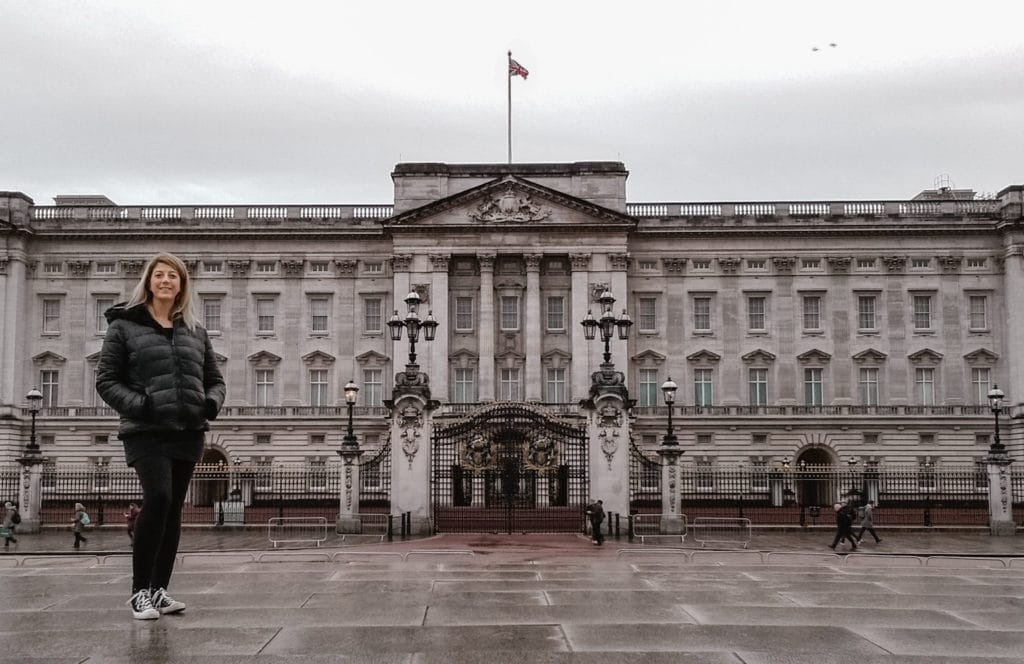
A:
x,y
608,324
350,444
35,402
995,402
413,324
668,391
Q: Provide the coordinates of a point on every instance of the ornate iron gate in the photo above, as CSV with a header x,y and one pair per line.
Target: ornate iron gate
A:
x,y
509,468
644,481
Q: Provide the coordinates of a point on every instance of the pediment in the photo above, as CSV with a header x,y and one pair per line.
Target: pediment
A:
x,y
371,358
981,355
264,357
870,355
464,353
556,353
49,357
648,357
925,355
509,357
704,355
759,355
814,355
318,357
219,359
510,202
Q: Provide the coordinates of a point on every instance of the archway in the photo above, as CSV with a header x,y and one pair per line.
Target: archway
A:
x,y
816,484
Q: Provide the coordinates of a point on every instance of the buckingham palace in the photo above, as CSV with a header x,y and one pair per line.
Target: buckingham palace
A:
x,y
858,332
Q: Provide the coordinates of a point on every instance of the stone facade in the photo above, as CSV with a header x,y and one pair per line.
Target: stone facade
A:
x,y
813,331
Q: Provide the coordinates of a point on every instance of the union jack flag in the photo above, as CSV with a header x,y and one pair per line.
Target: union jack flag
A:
x,y
516,69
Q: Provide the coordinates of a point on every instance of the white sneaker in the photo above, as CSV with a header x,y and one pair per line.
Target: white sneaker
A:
x,y
142,606
164,603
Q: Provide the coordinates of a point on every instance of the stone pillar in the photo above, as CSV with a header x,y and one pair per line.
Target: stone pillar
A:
x,y
1000,495
486,387
349,520
533,329
608,430
620,290
578,311
401,285
412,426
671,515
30,493
438,365
13,277
1013,292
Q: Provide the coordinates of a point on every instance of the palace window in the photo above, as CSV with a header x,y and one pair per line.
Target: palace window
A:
x,y
264,387
702,314
373,314
556,312
465,386
812,312
868,383
922,312
924,386
703,387
756,313
509,384
813,395
866,320
757,384
981,378
100,305
978,308
212,313
648,387
463,314
647,314
555,386
318,387
51,316
319,310
266,310
372,392
510,313
49,385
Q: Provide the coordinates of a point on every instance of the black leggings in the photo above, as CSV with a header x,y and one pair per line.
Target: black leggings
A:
x,y
158,527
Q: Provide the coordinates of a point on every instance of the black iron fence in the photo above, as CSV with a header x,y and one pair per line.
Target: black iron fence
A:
x,y
219,494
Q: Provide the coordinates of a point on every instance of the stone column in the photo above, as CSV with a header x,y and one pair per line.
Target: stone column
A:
x,y
1013,292
438,365
578,311
486,387
533,328
1000,495
671,517
349,520
401,284
620,290
30,493
412,426
13,276
608,431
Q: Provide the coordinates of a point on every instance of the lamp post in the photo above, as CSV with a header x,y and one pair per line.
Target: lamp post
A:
x,y
413,324
668,391
35,402
350,444
995,402
608,324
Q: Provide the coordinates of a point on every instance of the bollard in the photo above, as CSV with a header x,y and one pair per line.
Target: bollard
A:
x,y
220,513
630,526
618,533
391,527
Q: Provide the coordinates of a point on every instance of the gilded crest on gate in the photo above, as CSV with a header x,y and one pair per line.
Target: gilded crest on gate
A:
x,y
541,453
478,453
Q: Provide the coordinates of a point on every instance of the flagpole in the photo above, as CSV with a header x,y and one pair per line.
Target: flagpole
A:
x,y
508,76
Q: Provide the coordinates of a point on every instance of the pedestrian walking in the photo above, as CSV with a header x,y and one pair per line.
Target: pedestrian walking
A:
x,y
867,522
11,520
157,369
130,517
844,526
79,523
595,512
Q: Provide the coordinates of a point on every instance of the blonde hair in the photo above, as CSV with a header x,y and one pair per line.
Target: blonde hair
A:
x,y
184,304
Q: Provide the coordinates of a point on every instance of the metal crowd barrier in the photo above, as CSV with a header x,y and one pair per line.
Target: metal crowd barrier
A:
x,y
726,531
649,525
297,529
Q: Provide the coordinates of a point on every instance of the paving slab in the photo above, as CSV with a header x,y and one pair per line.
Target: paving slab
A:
x,y
977,643
369,640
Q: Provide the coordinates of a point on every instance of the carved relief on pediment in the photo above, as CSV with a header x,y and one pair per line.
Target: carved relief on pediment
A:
x,y
509,206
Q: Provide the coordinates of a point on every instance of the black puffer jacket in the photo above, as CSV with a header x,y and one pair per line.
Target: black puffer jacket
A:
x,y
157,384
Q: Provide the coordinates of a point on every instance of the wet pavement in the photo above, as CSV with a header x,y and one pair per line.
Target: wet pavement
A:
x,y
937,597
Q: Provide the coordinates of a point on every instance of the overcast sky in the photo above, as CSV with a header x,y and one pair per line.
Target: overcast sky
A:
x,y
249,102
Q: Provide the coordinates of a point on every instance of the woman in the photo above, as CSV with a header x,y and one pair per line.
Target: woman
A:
x,y
78,523
11,521
157,369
